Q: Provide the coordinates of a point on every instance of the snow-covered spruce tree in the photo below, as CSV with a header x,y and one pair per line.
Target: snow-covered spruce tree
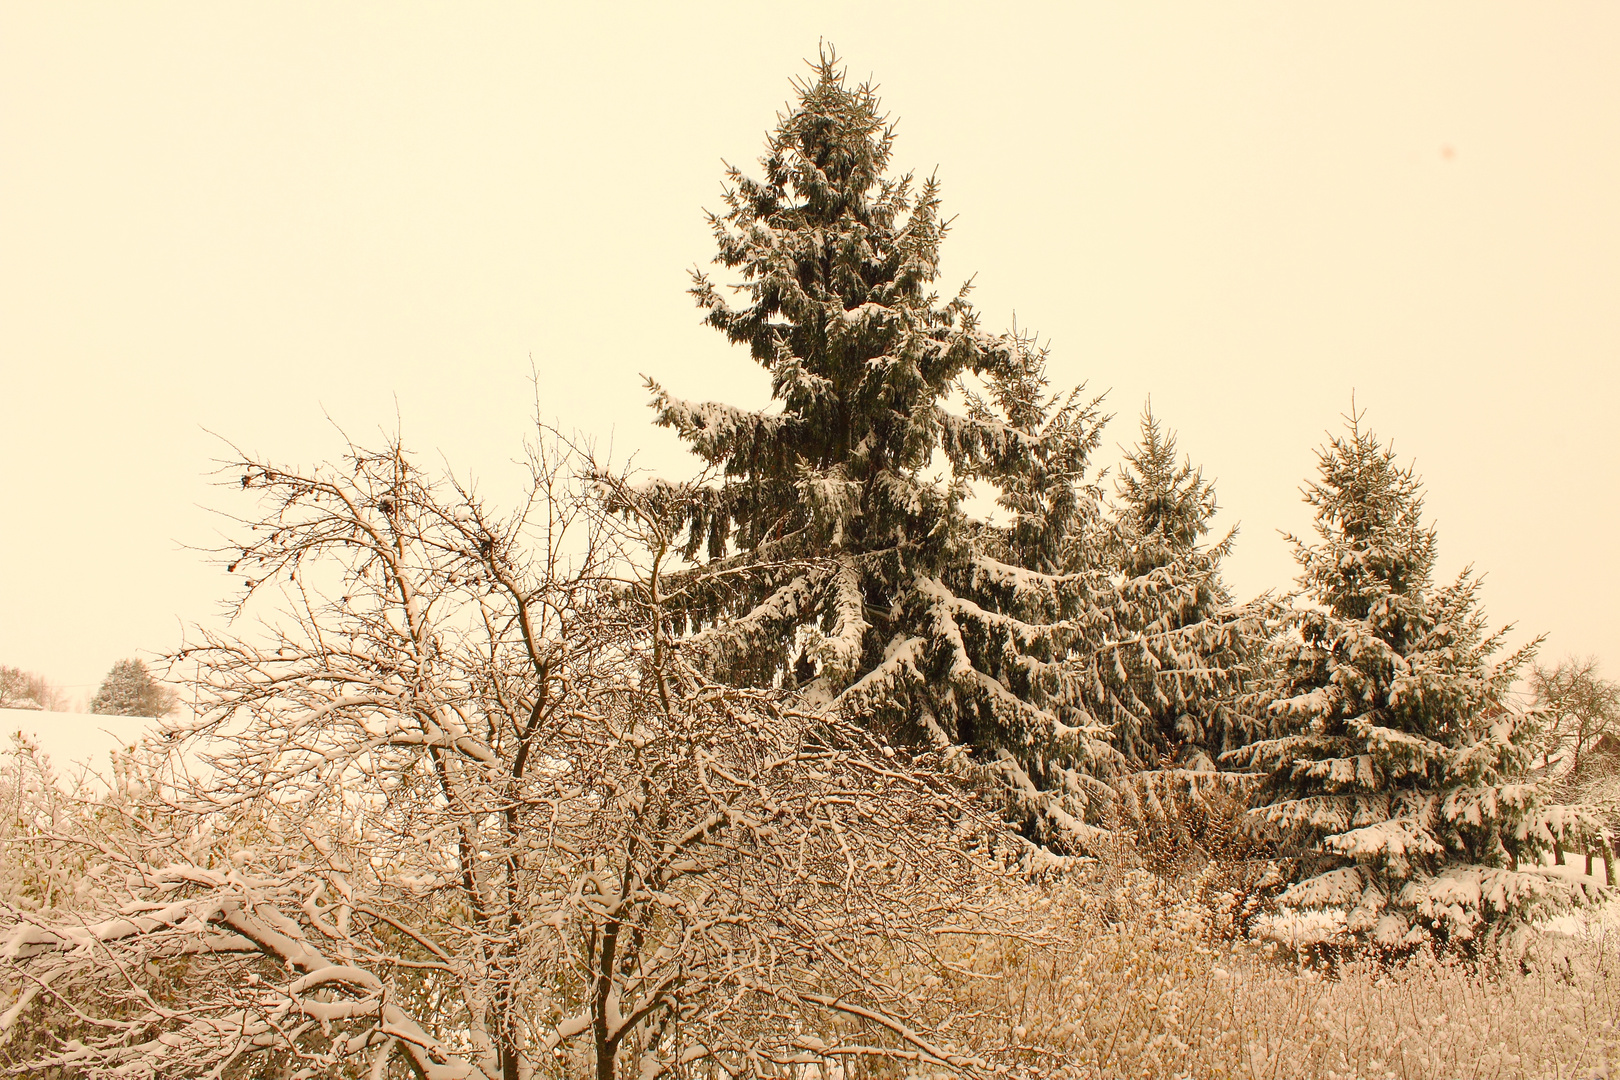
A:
x,y
1161,518
831,558
1161,515
1398,772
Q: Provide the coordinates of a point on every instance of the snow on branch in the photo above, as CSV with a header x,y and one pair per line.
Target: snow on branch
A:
x,y
714,430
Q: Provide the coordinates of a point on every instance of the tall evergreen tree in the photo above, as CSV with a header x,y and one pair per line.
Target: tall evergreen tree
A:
x,y
831,556
1398,774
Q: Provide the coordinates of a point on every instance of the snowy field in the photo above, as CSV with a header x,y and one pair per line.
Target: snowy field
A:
x,y
79,745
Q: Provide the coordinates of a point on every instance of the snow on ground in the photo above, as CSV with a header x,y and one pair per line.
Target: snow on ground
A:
x,y
79,745
1605,920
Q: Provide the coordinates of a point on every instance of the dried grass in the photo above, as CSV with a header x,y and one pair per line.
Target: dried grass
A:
x,y
1136,977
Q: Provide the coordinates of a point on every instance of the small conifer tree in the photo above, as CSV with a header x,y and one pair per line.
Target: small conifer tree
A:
x,y
1163,511
1398,775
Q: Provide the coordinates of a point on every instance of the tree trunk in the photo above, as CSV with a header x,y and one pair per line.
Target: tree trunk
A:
x,y
1558,853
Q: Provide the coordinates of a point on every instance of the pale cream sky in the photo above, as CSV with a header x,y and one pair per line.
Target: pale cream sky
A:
x,y
246,219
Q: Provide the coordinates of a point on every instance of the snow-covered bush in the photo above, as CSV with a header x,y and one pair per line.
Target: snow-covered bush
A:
x,y
1398,779
459,807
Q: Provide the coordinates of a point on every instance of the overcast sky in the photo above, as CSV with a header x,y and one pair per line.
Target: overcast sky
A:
x,y
250,219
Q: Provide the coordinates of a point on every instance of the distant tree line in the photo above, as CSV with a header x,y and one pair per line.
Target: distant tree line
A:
x,y
130,689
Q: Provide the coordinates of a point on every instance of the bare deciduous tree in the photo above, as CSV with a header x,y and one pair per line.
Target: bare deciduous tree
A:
x,y
459,807
1583,711
1582,708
